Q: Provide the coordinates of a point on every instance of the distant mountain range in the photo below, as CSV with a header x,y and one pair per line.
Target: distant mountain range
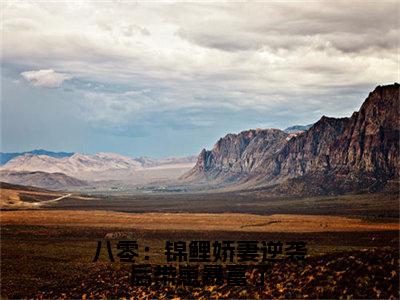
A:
x,y
81,169
76,165
297,128
5,157
144,160
334,155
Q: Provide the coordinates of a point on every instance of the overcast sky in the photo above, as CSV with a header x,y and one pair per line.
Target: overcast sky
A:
x,y
163,78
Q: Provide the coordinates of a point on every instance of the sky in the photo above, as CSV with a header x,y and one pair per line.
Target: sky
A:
x,y
170,78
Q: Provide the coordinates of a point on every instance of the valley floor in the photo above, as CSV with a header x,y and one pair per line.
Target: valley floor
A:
x,y
47,252
185,221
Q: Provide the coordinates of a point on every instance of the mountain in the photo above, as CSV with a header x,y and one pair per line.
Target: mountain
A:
x,y
148,162
333,155
78,165
10,186
5,157
236,156
45,180
102,166
297,128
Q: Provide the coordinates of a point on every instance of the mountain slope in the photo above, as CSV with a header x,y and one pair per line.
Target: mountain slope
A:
x,y
100,166
339,154
5,157
365,144
297,128
53,181
78,165
178,161
236,156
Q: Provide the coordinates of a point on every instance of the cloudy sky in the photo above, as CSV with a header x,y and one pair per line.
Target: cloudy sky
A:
x,y
164,78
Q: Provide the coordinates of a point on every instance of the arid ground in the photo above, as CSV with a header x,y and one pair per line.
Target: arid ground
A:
x,y
48,246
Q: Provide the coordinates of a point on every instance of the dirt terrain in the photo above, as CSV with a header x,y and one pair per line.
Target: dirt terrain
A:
x,y
47,250
21,197
186,221
378,206
51,261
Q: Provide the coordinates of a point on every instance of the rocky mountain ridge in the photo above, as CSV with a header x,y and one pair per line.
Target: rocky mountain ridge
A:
x,y
297,128
341,154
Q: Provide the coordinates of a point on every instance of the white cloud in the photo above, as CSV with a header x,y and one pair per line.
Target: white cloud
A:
x,y
114,108
45,78
261,55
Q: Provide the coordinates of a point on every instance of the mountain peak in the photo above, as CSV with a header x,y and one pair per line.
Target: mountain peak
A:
x,y
336,154
297,128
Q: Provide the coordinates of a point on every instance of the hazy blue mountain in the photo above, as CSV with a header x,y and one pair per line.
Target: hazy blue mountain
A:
x,y
297,128
6,156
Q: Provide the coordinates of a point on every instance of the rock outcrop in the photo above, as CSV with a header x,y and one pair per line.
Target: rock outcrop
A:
x,y
335,154
236,156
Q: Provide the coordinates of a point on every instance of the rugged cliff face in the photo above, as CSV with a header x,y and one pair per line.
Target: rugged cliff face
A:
x,y
236,156
333,155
